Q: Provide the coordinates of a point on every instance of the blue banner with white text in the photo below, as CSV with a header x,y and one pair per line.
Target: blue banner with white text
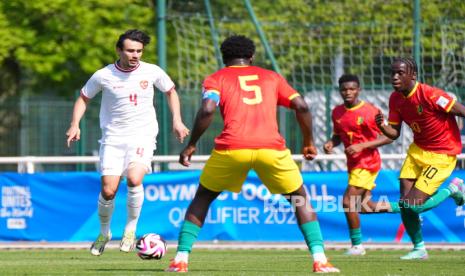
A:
x,y
63,207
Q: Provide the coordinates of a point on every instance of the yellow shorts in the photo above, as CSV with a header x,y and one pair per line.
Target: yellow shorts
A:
x,y
430,169
362,178
228,169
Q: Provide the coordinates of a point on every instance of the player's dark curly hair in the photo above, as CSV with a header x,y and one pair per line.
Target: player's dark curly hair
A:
x,y
135,35
347,78
237,46
410,62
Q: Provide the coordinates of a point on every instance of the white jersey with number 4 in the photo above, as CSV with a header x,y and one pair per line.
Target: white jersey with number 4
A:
x,y
127,99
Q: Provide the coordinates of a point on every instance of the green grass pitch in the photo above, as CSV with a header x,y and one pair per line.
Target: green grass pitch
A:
x,y
225,262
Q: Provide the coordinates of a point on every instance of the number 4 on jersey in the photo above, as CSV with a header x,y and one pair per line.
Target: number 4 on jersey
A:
x,y
133,98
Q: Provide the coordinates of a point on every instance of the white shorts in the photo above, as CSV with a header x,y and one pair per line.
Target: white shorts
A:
x,y
119,154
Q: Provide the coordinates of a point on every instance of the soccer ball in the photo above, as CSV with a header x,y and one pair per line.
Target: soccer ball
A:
x,y
151,246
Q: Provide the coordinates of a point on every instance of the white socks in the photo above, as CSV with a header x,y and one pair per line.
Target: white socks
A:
x,y
181,256
134,205
105,210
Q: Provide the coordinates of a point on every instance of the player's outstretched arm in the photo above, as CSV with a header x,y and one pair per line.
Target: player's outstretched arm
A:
x,y
304,118
458,109
179,129
390,131
74,133
203,120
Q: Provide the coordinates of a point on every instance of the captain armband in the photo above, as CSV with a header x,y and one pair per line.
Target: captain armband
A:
x,y
211,95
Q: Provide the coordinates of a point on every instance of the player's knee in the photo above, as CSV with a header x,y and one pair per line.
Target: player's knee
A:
x,y
136,173
368,207
346,201
134,180
108,193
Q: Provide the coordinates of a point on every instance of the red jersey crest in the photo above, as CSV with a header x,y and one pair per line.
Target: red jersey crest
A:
x,y
144,84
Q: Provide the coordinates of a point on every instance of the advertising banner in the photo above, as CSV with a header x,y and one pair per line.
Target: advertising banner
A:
x,y
63,207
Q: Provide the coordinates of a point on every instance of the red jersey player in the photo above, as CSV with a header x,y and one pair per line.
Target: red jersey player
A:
x,y
248,97
430,113
354,125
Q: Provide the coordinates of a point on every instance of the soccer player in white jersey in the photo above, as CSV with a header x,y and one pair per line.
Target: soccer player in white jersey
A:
x,y
129,128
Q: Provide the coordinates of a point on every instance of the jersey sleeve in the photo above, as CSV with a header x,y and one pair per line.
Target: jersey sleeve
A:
x,y
93,86
162,81
440,100
394,117
285,92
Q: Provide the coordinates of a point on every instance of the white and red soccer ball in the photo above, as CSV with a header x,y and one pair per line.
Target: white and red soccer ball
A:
x,y
151,246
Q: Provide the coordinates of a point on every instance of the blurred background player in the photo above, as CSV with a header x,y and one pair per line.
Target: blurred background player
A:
x,y
248,97
129,129
430,113
354,125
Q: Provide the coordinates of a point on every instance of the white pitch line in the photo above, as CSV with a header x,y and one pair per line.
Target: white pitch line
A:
x,y
232,245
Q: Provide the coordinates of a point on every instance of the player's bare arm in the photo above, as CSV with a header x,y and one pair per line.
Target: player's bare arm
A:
x,y
390,131
304,117
179,129
333,142
458,109
202,121
74,132
382,140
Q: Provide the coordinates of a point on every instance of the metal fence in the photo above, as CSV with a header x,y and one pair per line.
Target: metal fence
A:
x,y
310,57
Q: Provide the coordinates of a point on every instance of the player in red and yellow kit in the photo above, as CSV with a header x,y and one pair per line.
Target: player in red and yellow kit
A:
x,y
430,113
248,97
354,125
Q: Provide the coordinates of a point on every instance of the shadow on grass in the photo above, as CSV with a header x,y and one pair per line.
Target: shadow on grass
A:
x,y
158,270
126,270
